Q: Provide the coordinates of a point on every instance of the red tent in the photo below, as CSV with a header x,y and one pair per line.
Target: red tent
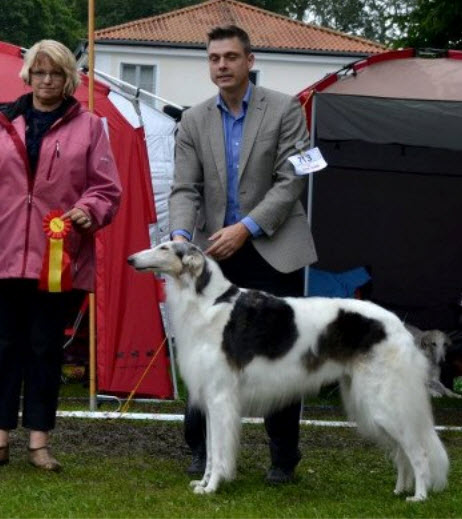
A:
x,y
128,320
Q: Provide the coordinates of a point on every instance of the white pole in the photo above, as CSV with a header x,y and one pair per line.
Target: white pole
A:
x,y
309,201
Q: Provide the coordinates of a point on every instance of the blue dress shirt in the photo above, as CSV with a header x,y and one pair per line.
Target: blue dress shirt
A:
x,y
233,127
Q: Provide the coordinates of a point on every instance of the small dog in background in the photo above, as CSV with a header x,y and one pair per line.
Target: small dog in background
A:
x,y
434,344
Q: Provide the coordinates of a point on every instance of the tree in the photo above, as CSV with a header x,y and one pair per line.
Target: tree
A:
x,y
115,12
434,23
26,21
377,20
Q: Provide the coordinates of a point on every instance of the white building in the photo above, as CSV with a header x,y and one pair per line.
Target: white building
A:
x,y
166,54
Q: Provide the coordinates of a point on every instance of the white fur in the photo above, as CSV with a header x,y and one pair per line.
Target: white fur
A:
x,y
383,390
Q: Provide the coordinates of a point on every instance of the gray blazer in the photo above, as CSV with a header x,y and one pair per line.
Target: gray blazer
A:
x,y
269,190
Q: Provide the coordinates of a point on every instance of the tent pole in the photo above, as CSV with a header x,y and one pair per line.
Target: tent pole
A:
x,y
91,309
309,201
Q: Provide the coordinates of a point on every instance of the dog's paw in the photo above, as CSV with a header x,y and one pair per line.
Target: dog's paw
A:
x,y
203,490
197,483
416,499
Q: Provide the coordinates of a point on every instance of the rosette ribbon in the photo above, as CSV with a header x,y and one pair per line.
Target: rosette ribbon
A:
x,y
56,273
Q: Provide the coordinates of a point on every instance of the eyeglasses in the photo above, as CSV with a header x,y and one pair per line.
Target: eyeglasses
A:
x,y
54,75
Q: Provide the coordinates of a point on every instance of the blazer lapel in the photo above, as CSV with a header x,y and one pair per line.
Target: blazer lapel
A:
x,y
253,119
217,143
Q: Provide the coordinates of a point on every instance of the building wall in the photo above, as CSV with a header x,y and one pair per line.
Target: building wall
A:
x,y
182,75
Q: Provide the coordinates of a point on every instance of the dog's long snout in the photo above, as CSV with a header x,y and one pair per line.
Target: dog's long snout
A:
x,y
131,260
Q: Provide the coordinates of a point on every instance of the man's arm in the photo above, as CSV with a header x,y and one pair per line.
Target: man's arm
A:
x,y
186,193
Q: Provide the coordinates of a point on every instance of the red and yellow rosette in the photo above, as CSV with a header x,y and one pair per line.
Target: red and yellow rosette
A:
x,y
56,273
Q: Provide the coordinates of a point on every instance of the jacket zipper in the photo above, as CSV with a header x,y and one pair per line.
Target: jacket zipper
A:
x,y
56,155
30,187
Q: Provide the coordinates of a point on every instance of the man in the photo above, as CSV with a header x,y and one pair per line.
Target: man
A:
x,y
237,196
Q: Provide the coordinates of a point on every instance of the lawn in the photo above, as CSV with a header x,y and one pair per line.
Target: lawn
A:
x,y
136,469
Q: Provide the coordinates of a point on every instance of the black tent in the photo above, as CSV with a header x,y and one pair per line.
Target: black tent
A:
x,y
390,129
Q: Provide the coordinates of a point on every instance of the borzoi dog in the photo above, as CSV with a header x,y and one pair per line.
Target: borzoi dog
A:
x,y
434,344
244,349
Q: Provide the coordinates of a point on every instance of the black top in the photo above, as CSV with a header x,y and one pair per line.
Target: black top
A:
x,y
37,124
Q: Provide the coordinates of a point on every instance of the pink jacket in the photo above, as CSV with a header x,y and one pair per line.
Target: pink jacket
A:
x,y
75,169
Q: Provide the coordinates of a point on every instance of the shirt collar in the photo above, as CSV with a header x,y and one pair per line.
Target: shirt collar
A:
x,y
245,101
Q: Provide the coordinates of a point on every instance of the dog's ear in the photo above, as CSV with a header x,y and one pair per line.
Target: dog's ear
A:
x,y
193,260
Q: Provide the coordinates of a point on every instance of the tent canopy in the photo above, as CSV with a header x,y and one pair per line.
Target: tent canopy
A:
x,y
390,199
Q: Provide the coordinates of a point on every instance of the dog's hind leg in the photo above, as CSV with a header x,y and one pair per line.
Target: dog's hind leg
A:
x,y
405,479
396,423
419,462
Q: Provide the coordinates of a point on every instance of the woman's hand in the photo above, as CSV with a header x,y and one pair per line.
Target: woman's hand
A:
x,y
80,219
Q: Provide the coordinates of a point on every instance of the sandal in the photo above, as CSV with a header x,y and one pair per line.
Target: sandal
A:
x,y
5,454
41,458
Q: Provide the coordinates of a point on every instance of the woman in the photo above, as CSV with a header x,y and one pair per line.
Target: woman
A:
x,y
58,185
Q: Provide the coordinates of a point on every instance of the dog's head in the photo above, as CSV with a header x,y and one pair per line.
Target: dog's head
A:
x,y
171,258
435,344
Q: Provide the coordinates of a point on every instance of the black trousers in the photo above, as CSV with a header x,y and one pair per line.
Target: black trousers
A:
x,y
248,269
32,326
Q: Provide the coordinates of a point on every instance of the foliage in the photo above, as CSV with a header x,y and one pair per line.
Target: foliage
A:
x,y
115,12
26,21
377,20
434,24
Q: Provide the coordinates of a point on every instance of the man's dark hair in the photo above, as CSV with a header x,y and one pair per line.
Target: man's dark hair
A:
x,y
224,32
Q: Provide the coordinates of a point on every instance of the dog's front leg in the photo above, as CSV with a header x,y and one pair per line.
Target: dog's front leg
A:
x,y
208,467
223,426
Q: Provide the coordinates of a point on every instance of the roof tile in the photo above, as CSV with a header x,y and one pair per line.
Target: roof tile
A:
x,y
267,30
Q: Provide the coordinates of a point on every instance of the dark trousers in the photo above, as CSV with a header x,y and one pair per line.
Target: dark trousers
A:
x,y
248,269
32,326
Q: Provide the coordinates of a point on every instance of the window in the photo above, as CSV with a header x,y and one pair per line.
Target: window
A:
x,y
141,76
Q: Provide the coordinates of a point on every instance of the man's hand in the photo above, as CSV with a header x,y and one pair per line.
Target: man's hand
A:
x,y
179,237
80,219
227,241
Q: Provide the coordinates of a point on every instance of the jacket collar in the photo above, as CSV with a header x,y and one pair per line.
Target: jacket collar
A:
x,y
253,119
19,107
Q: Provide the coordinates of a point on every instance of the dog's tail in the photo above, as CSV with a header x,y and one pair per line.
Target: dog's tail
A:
x,y
438,461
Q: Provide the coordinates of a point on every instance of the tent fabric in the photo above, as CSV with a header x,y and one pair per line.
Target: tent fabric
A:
x,y
410,122
389,199
408,78
160,141
129,326
370,156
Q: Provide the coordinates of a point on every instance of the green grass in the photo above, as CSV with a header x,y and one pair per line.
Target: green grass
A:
x,y
120,468
130,476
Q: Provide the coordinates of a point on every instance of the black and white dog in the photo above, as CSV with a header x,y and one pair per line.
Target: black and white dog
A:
x,y
241,350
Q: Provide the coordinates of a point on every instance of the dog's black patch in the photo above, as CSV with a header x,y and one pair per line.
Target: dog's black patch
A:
x,y
259,325
227,295
203,280
347,336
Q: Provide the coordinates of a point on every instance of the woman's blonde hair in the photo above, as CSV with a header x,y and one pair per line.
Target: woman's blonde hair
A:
x,y
60,55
